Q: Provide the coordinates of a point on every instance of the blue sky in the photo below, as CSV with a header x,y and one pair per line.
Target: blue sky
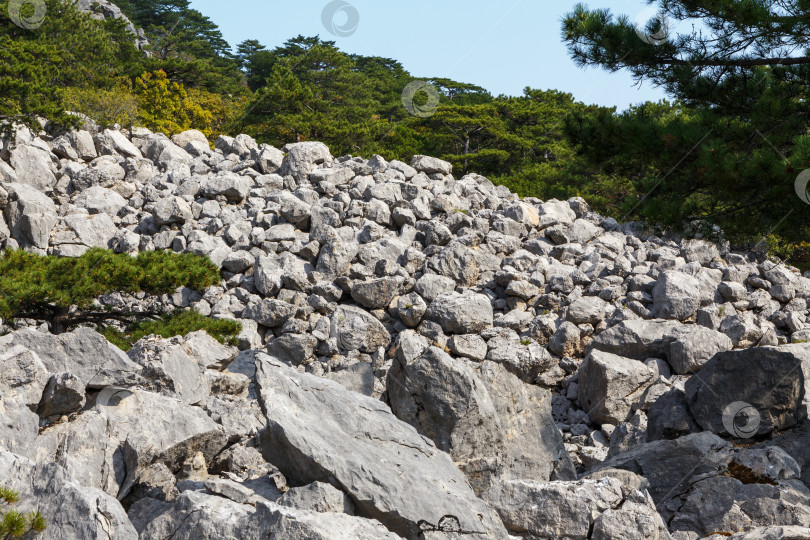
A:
x,y
503,47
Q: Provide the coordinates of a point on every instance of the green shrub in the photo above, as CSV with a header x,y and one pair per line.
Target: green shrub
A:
x,y
178,323
14,524
62,290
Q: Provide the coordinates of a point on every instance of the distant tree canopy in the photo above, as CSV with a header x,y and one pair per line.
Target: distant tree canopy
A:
x,y
728,150
725,151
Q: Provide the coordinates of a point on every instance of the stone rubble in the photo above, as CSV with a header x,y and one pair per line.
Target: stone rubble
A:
x,y
422,356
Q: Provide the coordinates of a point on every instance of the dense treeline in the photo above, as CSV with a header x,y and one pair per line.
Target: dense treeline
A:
x,y
684,165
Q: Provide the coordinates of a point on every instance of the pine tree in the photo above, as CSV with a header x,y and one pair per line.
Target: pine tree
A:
x,y
728,150
15,524
63,291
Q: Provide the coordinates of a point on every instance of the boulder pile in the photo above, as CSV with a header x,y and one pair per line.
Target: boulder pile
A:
x,y
422,356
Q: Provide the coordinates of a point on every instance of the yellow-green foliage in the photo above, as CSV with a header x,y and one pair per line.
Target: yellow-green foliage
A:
x,y
165,106
14,524
105,107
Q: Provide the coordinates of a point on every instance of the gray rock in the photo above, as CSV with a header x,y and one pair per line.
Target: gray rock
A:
x,y
107,446
318,497
173,371
32,166
267,275
82,352
336,256
493,425
588,508
375,293
461,313
71,511
24,375
469,345
638,339
670,467
691,346
431,165
430,286
30,215
268,158
269,312
92,231
750,392
100,200
355,329
393,475
676,296
64,394
292,349
116,141
609,385
171,210
587,310
458,262
410,309
302,158
773,533
182,139
669,417
231,186
199,516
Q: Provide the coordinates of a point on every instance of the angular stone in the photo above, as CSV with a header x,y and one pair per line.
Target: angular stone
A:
x,y
461,313
392,474
492,424
750,392
70,510
609,385
676,296
431,165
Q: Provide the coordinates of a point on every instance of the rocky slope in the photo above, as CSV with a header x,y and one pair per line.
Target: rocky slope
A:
x,y
422,357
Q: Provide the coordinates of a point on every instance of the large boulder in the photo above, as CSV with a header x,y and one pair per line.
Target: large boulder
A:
x,y
32,166
30,215
492,424
302,158
691,346
197,515
71,511
637,339
355,329
461,313
168,366
82,352
100,200
603,508
109,445
751,392
431,165
676,295
609,385
319,431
